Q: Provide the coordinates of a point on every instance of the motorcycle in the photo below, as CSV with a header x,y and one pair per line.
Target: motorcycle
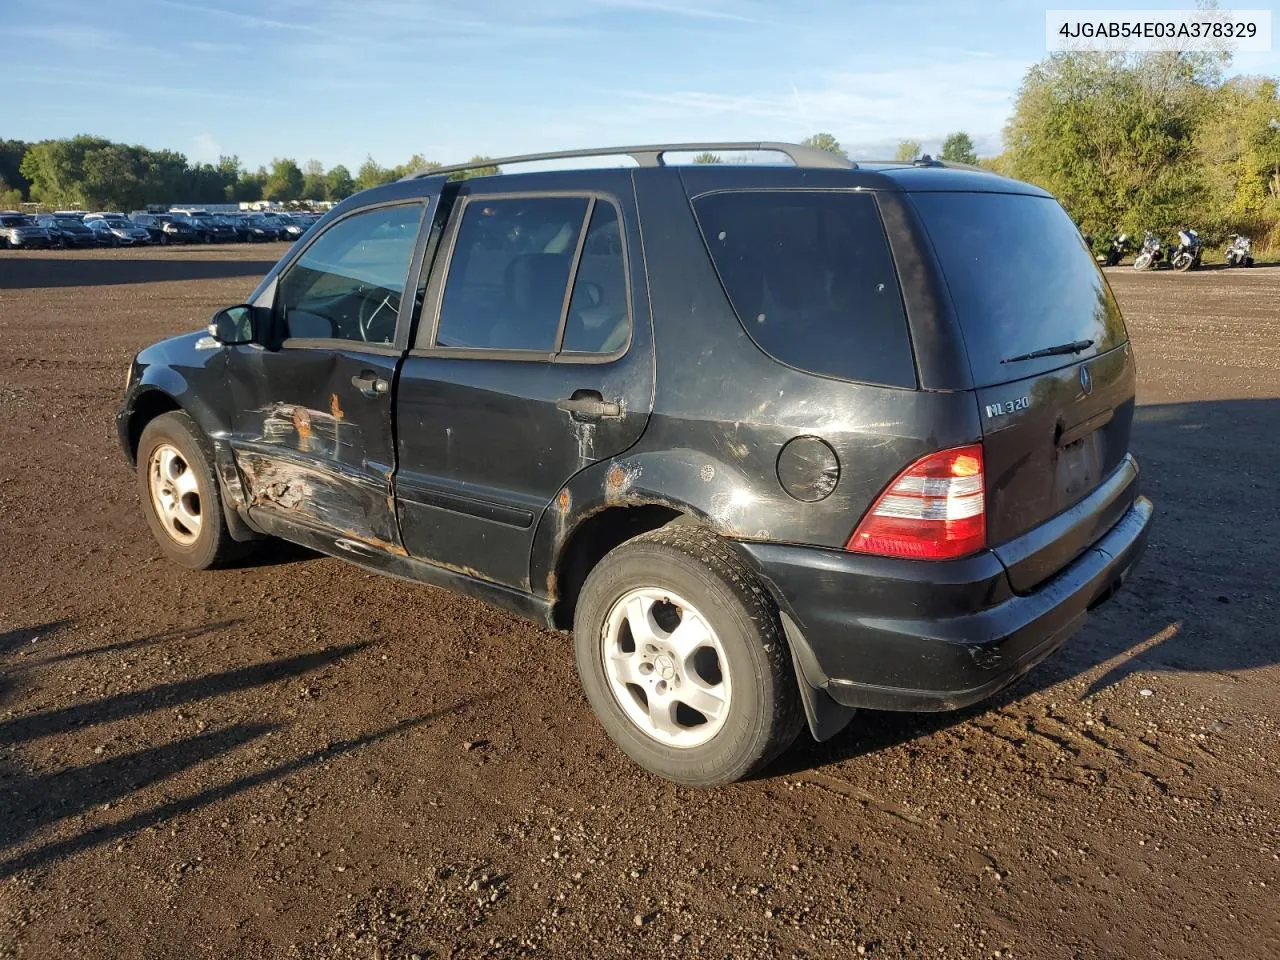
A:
x,y
1189,251
1239,251
1116,251
1150,255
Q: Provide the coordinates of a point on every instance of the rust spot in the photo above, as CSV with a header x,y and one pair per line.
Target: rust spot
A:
x,y
563,501
335,408
614,480
374,542
553,585
302,423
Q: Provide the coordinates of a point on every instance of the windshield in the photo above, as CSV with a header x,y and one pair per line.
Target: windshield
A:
x,y
16,221
1021,280
68,222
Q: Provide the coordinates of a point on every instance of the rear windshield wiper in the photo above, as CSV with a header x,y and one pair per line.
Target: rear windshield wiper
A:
x,y
1075,346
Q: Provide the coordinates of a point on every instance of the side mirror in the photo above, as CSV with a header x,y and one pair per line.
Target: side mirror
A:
x,y
233,325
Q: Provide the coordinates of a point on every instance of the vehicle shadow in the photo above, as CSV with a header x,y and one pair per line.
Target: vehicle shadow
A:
x,y
27,273
1202,601
32,801
274,552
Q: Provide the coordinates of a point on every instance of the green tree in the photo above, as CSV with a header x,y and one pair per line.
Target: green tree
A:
x,y
371,174
11,154
284,182
249,186
9,196
707,158
338,183
415,164
1112,136
824,141
486,170
958,148
907,150
314,184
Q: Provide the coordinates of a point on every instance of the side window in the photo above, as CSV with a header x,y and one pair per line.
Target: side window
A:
x,y
812,280
509,273
598,313
348,283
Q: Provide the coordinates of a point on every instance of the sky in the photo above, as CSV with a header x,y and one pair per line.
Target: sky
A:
x,y
339,80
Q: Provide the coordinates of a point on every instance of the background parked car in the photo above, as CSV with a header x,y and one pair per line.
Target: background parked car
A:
x,y
124,230
18,231
262,229
207,227
163,228
117,233
66,230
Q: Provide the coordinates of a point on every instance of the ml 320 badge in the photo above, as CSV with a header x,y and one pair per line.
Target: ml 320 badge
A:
x,y
1008,407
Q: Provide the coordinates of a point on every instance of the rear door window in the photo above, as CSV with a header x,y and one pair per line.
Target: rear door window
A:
x,y
510,272
1021,280
811,278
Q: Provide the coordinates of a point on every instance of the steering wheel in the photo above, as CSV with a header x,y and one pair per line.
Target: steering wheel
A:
x,y
370,309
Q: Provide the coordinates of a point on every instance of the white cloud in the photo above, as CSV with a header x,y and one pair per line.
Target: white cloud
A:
x,y
920,101
204,149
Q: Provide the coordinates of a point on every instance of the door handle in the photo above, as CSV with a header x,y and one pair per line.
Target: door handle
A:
x,y
370,384
590,405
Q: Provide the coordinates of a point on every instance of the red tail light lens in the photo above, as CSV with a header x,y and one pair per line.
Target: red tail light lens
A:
x,y
935,510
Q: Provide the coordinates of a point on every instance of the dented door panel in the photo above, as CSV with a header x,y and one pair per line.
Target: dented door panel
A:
x,y
309,445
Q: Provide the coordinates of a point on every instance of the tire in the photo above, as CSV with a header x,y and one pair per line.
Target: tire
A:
x,y
746,652
1142,262
189,473
1183,263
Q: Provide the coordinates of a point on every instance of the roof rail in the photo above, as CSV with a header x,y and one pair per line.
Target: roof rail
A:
x,y
928,161
651,155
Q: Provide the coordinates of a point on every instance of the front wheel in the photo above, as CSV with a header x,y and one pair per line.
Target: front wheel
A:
x,y
681,653
179,494
1183,262
1142,262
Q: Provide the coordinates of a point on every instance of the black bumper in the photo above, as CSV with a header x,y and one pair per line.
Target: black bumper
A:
x,y
912,635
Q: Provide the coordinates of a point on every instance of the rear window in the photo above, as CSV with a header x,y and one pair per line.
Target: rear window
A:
x,y
1021,280
811,278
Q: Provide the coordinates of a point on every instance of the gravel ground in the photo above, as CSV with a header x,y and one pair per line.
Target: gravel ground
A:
x,y
299,759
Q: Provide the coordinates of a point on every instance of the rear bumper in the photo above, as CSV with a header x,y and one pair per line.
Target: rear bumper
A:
x,y
910,635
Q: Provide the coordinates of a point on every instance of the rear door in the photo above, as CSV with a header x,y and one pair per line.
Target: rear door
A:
x,y
1050,359
533,360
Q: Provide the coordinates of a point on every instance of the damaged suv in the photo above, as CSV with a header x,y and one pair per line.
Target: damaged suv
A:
x,y
775,441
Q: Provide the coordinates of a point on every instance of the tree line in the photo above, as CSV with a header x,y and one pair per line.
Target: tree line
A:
x,y
95,173
1137,142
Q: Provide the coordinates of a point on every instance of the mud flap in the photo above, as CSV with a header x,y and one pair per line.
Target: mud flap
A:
x,y
825,717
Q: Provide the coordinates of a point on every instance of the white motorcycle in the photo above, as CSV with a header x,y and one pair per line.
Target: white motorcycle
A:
x,y
1239,251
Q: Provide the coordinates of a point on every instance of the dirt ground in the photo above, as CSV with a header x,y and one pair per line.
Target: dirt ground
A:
x,y
301,760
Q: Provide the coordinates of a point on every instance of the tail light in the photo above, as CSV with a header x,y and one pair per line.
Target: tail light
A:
x,y
934,510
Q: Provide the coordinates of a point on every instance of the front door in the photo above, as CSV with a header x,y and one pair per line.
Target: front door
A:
x,y
313,436
533,360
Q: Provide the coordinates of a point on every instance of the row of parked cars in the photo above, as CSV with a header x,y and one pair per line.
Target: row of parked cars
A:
x,y
65,228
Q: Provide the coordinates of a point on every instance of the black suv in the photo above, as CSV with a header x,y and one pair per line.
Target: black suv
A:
x,y
774,441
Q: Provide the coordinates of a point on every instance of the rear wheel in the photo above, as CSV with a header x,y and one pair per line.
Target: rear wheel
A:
x,y
180,494
681,653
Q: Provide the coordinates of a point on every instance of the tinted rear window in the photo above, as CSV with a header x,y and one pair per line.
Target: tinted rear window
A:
x,y
811,278
1021,280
